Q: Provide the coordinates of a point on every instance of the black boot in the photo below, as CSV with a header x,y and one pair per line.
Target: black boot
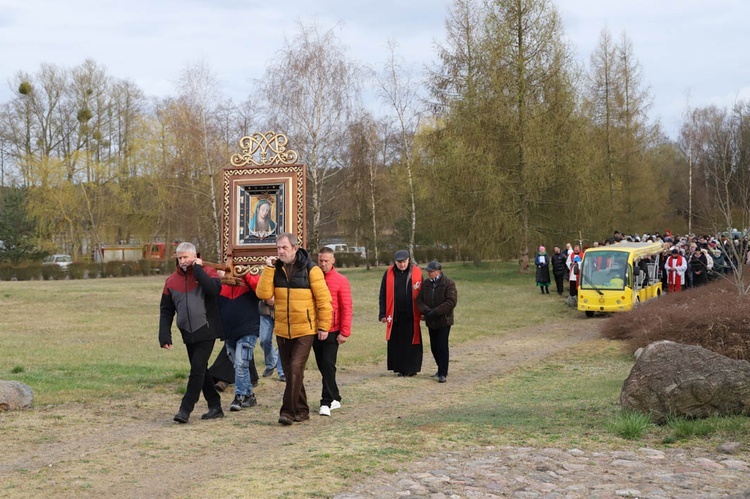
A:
x,y
213,413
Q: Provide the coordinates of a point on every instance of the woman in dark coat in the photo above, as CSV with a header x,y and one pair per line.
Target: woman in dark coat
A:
x,y
699,268
542,270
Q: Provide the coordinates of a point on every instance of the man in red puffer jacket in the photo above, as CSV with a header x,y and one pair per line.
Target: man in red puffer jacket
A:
x,y
326,350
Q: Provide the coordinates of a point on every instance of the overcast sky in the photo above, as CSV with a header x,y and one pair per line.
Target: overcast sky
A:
x,y
686,47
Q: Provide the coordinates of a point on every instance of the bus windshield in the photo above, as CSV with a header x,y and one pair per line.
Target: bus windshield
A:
x,y
604,270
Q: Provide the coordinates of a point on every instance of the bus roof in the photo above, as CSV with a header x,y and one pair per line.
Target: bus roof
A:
x,y
637,249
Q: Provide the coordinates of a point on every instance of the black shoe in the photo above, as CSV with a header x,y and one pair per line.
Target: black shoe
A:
x,y
255,382
441,379
221,386
213,413
267,372
285,421
249,401
298,418
181,417
236,404
400,375
282,378
434,375
410,374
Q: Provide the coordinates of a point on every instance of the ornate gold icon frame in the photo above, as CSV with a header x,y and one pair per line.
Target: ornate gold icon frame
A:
x,y
263,196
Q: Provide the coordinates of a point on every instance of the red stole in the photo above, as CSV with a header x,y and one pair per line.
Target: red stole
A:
x,y
416,283
672,275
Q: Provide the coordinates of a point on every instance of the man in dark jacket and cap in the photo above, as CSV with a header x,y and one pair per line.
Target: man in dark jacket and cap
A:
x,y
436,300
191,292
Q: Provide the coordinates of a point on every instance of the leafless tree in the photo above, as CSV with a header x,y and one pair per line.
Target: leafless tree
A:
x,y
199,92
308,93
400,89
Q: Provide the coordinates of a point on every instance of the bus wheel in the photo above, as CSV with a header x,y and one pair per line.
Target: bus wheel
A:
x,y
589,313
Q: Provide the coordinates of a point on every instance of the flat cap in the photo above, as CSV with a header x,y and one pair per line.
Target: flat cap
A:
x,y
401,255
433,265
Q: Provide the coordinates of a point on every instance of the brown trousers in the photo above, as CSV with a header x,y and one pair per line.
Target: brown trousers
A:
x,y
294,354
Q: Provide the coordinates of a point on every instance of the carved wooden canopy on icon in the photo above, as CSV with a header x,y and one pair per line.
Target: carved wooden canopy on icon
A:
x,y
263,196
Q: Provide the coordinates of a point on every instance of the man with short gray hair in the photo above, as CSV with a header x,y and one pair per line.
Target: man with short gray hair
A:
x,y
192,292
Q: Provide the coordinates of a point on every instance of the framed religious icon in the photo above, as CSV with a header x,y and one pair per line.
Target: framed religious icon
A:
x,y
262,198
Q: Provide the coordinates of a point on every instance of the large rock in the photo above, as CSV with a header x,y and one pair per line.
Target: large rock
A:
x,y
681,380
15,395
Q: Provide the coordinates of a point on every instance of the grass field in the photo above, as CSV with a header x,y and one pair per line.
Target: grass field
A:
x,y
73,340
520,375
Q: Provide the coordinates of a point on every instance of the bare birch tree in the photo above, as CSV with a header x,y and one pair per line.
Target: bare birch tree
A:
x,y
199,91
399,88
308,92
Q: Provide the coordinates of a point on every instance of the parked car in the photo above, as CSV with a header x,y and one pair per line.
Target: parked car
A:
x,y
61,261
337,247
340,248
358,250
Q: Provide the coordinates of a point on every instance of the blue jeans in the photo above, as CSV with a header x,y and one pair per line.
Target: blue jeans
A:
x,y
241,354
270,351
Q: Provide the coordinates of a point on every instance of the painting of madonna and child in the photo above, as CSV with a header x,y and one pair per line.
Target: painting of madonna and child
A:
x,y
261,214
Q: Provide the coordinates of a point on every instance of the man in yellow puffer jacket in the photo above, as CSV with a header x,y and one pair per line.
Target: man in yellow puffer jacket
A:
x,y
303,310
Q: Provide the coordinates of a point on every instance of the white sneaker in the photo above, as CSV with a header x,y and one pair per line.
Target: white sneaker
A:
x,y
335,405
325,410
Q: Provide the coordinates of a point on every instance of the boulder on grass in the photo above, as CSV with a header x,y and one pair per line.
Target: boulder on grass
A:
x,y
672,379
15,395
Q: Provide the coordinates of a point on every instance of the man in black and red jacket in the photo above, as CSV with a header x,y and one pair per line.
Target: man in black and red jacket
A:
x,y
191,292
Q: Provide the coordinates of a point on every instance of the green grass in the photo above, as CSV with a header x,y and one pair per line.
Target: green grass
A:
x,y
74,341
630,425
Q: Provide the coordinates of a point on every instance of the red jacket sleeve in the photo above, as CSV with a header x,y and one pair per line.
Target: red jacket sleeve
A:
x,y
345,306
252,281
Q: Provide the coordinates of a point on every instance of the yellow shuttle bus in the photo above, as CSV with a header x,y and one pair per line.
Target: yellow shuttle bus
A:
x,y
617,277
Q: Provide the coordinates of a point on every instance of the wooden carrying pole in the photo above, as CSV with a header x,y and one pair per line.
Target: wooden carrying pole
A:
x,y
228,267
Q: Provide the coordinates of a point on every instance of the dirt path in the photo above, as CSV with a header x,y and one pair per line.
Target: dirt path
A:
x,y
131,448
128,447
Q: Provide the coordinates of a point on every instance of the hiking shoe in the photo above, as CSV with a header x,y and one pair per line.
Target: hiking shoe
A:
x,y
325,410
213,413
285,420
434,375
335,405
181,417
236,404
267,372
255,383
282,378
249,401
441,379
221,386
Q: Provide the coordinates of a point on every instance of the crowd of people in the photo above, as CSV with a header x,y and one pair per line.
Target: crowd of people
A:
x,y
685,261
306,306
